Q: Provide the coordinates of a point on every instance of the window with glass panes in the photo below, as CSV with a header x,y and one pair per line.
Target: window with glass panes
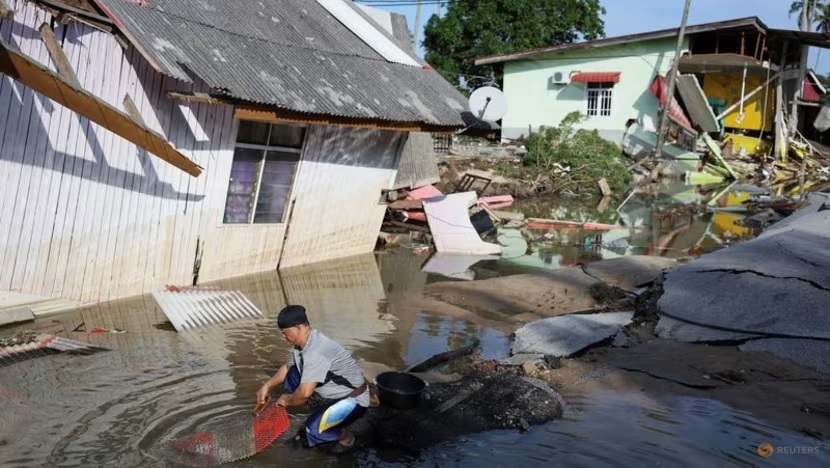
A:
x,y
598,96
265,159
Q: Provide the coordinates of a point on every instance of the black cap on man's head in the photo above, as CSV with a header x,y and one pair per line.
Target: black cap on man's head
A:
x,y
291,316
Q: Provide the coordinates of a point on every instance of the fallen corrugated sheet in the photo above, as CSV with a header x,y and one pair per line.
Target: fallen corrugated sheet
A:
x,y
195,307
660,89
696,103
451,228
287,53
29,346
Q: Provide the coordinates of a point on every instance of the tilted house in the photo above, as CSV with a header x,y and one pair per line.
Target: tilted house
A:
x,y
153,142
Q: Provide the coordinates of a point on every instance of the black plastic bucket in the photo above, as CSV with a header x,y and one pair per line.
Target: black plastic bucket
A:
x,y
399,390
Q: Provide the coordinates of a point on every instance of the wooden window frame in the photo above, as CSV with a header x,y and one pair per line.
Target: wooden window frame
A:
x,y
260,166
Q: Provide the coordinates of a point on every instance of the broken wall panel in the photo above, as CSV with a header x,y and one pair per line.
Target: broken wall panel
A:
x,y
696,103
324,223
418,165
725,89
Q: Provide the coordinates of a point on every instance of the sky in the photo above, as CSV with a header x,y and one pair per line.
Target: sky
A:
x,y
635,16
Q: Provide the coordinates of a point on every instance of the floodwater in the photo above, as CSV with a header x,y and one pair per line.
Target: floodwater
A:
x,y
122,407
676,220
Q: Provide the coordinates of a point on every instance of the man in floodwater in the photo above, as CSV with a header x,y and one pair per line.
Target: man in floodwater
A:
x,y
319,364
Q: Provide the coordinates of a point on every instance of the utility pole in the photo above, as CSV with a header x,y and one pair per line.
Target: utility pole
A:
x,y
807,15
664,118
417,27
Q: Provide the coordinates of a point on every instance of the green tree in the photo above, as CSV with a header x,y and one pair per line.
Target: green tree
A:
x,y
475,28
822,18
812,7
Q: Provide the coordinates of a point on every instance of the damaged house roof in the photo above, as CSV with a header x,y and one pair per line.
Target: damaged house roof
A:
x,y
751,23
288,54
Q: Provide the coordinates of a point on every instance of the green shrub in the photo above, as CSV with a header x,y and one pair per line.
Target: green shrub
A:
x,y
589,156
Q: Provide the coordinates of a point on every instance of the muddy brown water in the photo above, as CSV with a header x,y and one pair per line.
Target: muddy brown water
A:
x,y
121,407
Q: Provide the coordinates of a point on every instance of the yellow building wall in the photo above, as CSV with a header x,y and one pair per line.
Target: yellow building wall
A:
x,y
728,87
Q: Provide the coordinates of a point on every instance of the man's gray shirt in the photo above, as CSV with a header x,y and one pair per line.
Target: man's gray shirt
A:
x,y
320,357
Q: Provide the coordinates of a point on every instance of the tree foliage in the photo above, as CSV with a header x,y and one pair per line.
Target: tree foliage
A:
x,y
813,6
589,156
475,28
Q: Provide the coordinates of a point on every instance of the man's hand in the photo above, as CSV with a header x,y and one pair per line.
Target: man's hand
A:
x,y
283,399
262,393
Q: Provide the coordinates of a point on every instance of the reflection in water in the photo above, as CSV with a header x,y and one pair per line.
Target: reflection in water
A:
x,y
606,428
672,221
119,408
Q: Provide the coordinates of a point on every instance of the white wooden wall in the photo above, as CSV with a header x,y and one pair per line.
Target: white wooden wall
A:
x,y
84,214
338,209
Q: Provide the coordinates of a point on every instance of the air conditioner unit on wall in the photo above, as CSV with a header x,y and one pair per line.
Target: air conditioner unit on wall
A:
x,y
560,77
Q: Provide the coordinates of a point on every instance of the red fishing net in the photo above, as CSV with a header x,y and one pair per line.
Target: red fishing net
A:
x,y
247,436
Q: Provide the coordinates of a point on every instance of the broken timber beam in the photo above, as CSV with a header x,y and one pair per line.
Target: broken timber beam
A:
x,y
132,110
196,97
56,52
747,97
40,79
5,11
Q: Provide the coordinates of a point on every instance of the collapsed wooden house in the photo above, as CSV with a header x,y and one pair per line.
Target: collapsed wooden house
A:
x,y
152,142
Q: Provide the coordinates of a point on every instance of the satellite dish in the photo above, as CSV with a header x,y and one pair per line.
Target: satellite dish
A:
x,y
488,104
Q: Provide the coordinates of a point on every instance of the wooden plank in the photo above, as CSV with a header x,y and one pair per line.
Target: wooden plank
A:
x,y
103,216
14,149
7,28
274,115
604,187
56,52
39,195
70,186
198,97
129,245
132,110
123,184
82,231
56,161
31,177
45,82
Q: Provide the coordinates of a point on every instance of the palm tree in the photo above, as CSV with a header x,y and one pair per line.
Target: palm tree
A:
x,y
822,24
812,6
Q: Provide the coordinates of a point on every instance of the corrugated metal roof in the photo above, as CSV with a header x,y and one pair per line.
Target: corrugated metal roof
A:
x,y
750,23
287,53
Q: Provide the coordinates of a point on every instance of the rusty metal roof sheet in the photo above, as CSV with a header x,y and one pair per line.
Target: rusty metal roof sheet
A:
x,y
290,54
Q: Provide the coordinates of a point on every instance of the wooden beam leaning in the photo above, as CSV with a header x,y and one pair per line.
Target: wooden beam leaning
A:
x,y
747,96
5,11
56,52
40,79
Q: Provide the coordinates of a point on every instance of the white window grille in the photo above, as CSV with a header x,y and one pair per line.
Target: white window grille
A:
x,y
264,164
599,99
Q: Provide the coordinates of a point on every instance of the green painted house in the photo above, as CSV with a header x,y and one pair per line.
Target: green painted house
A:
x,y
609,80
